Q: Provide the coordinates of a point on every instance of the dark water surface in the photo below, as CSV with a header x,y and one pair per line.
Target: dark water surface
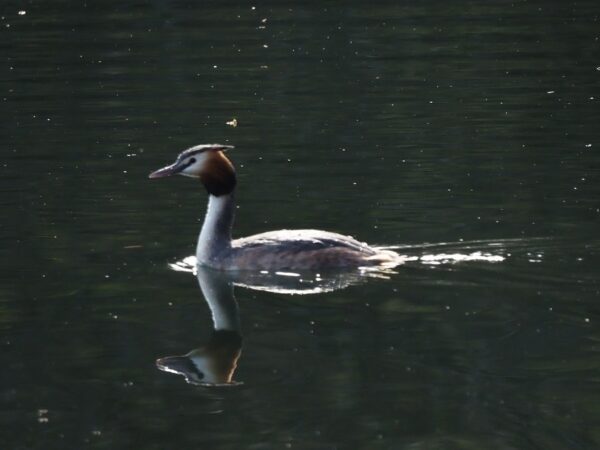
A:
x,y
467,126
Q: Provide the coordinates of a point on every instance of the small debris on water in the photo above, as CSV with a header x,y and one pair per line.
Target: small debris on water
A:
x,y
232,123
42,415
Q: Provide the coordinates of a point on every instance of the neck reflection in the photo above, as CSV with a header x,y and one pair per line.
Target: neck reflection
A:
x,y
215,362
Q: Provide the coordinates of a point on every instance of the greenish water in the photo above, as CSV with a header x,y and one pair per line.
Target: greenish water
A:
x,y
443,128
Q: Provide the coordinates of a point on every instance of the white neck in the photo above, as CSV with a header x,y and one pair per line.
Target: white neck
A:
x,y
215,235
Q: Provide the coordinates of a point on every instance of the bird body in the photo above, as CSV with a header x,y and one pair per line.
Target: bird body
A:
x,y
274,250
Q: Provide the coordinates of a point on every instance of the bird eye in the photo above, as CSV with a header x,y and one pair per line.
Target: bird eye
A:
x,y
192,160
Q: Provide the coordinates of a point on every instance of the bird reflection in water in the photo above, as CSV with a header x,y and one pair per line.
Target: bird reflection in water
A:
x,y
214,363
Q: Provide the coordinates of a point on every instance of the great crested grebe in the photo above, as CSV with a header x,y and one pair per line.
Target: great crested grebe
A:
x,y
274,250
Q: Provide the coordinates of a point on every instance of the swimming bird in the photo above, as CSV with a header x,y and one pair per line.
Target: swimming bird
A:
x,y
273,250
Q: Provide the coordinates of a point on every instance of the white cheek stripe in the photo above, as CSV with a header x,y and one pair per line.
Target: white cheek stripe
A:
x,y
193,170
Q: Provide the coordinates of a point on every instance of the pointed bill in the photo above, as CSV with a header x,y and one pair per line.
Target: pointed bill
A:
x,y
166,171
